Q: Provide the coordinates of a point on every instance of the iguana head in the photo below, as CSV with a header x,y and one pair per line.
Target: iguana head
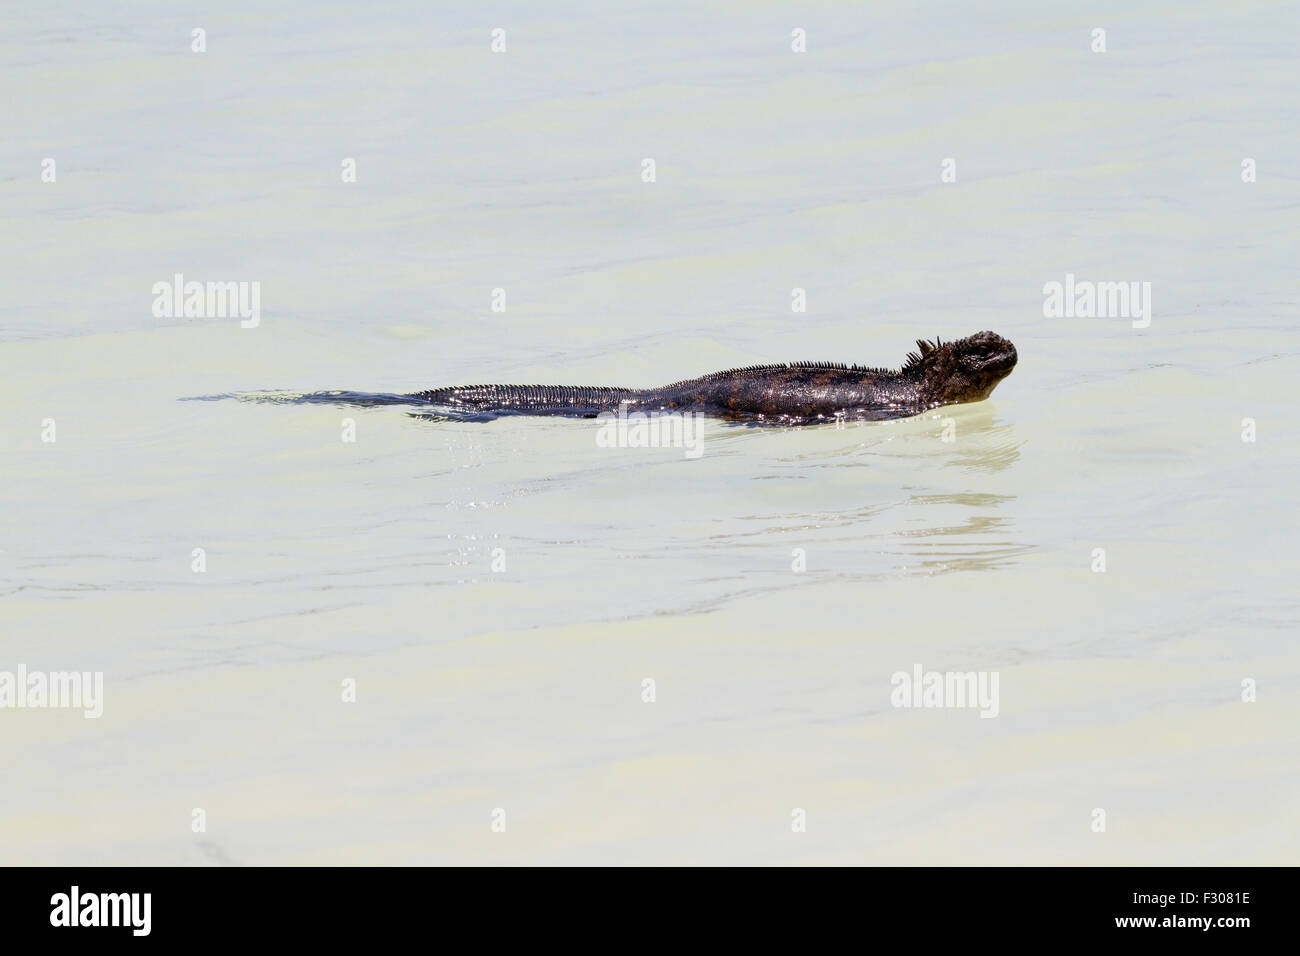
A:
x,y
965,370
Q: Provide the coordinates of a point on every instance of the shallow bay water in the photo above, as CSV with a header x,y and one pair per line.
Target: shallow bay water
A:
x,y
521,689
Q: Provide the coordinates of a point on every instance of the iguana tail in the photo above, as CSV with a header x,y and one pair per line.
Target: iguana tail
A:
x,y
580,400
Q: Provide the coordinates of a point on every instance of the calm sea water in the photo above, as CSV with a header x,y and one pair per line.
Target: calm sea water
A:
x,y
499,594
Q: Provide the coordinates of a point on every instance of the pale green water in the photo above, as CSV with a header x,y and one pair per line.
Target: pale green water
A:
x,y
522,689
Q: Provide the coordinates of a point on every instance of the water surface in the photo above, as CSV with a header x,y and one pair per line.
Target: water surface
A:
x,y
521,688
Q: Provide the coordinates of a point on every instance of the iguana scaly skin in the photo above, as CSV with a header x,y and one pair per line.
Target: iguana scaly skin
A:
x,y
801,393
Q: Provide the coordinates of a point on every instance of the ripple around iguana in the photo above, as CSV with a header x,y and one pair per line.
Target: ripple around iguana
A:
x,y
798,393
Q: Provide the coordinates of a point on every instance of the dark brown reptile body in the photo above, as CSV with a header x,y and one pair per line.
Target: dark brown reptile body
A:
x,y
800,393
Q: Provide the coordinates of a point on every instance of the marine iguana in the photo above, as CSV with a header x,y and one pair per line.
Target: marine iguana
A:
x,y
800,393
